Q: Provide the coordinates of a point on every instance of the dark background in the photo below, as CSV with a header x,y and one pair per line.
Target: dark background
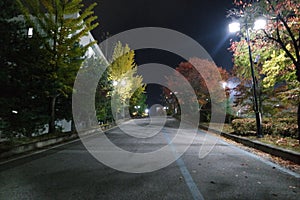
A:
x,y
204,21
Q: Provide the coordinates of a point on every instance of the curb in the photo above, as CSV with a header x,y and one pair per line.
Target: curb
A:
x,y
21,149
43,144
267,148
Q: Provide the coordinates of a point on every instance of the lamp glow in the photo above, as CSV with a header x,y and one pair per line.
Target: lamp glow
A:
x,y
234,27
115,83
30,32
259,24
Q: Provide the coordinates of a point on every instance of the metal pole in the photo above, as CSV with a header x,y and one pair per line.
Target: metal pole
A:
x,y
257,113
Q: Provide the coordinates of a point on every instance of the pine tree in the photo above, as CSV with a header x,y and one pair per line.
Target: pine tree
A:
x,y
21,101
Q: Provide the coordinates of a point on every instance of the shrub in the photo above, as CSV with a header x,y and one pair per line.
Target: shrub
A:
x,y
285,127
246,126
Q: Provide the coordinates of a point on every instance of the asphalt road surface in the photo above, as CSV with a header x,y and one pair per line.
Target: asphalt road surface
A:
x,y
70,172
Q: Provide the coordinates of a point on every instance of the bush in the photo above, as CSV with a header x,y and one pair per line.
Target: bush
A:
x,y
246,126
285,127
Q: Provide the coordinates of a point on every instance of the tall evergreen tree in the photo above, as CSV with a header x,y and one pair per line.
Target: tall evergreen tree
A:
x,y
21,101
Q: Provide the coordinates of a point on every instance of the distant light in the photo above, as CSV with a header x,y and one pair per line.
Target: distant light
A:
x,y
30,32
234,27
90,52
224,84
115,83
14,111
256,59
146,110
123,82
260,24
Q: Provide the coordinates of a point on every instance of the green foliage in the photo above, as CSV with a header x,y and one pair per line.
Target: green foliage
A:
x,y
245,126
137,103
278,68
22,75
285,127
9,9
59,27
281,64
102,97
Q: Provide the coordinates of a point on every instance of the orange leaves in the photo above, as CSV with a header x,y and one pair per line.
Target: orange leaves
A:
x,y
204,77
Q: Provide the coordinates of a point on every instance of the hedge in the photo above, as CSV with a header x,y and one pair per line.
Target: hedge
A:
x,y
286,127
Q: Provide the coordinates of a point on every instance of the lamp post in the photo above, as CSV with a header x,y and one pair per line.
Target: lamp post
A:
x,y
259,24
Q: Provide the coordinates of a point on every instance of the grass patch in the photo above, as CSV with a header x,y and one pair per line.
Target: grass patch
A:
x,y
283,142
276,140
227,128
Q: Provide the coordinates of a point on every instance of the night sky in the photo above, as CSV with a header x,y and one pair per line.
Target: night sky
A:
x,y
205,21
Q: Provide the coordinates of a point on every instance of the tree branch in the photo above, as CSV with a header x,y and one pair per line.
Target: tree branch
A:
x,y
291,35
280,42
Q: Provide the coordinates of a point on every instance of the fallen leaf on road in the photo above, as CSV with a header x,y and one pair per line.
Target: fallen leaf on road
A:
x,y
181,178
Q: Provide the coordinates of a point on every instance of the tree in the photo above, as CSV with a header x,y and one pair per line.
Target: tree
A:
x,y
241,69
103,99
282,30
283,24
200,82
21,78
137,102
60,27
122,72
282,78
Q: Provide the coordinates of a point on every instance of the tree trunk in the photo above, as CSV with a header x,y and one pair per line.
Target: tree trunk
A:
x,y
73,128
298,121
298,112
52,114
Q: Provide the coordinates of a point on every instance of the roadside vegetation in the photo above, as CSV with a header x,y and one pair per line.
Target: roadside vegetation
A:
x,y
276,62
43,45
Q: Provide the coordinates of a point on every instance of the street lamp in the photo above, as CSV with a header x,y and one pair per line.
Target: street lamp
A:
x,y
235,27
224,84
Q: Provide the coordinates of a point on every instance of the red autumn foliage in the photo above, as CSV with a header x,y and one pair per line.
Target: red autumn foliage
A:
x,y
204,77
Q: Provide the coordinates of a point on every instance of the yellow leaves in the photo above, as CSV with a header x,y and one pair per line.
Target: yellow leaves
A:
x,y
122,61
277,68
122,72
